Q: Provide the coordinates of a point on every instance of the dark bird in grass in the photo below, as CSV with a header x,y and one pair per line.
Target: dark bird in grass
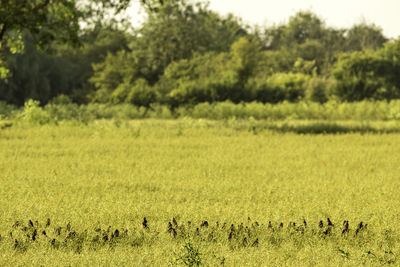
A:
x,y
71,235
98,230
44,233
359,228
244,242
197,231
34,234
48,222
58,231
304,223
30,223
144,223
16,224
230,236
329,222
53,242
269,225
16,243
233,228
174,221
204,224
116,233
10,234
281,225
321,224
105,237
255,243
68,226
169,227
345,228
327,231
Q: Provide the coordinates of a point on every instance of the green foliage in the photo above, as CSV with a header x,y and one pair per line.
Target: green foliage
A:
x,y
36,75
6,109
48,21
108,75
33,114
186,54
368,74
209,78
279,87
363,36
177,30
189,255
65,112
141,94
318,89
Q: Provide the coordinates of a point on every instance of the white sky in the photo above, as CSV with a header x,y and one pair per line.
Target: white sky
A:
x,y
336,13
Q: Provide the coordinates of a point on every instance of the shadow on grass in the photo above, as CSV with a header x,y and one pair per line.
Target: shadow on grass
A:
x,y
332,128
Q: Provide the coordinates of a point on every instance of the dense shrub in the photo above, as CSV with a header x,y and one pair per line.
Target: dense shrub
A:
x,y
279,87
6,109
34,114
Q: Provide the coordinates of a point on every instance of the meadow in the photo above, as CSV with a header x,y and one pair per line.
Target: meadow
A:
x,y
196,191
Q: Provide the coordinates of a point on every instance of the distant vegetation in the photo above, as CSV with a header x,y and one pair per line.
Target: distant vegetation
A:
x,y
186,54
62,109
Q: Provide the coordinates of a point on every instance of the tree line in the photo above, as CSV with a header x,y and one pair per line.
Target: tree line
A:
x,y
185,54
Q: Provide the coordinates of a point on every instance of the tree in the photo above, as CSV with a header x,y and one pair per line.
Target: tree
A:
x,y
47,21
96,45
307,37
363,75
36,75
177,29
364,36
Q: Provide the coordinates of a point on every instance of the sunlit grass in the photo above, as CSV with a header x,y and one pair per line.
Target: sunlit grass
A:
x,y
110,176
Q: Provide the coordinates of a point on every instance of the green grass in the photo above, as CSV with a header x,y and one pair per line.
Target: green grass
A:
x,y
84,114
110,175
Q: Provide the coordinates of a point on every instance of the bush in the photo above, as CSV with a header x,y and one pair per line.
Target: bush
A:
x,y
317,89
279,87
6,109
141,94
364,75
33,114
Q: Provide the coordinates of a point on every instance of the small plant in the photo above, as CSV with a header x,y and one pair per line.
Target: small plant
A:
x,y
189,255
34,114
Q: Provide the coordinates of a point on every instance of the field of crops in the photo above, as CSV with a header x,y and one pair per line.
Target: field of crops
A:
x,y
187,191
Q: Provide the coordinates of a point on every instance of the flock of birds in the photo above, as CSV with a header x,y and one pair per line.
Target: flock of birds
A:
x,y
244,234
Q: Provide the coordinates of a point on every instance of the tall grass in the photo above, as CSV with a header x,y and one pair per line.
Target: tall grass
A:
x,y
360,111
94,180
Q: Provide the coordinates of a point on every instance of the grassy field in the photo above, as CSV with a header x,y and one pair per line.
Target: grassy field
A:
x,y
97,183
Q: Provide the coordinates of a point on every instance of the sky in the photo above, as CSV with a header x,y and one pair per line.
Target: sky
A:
x,y
336,13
